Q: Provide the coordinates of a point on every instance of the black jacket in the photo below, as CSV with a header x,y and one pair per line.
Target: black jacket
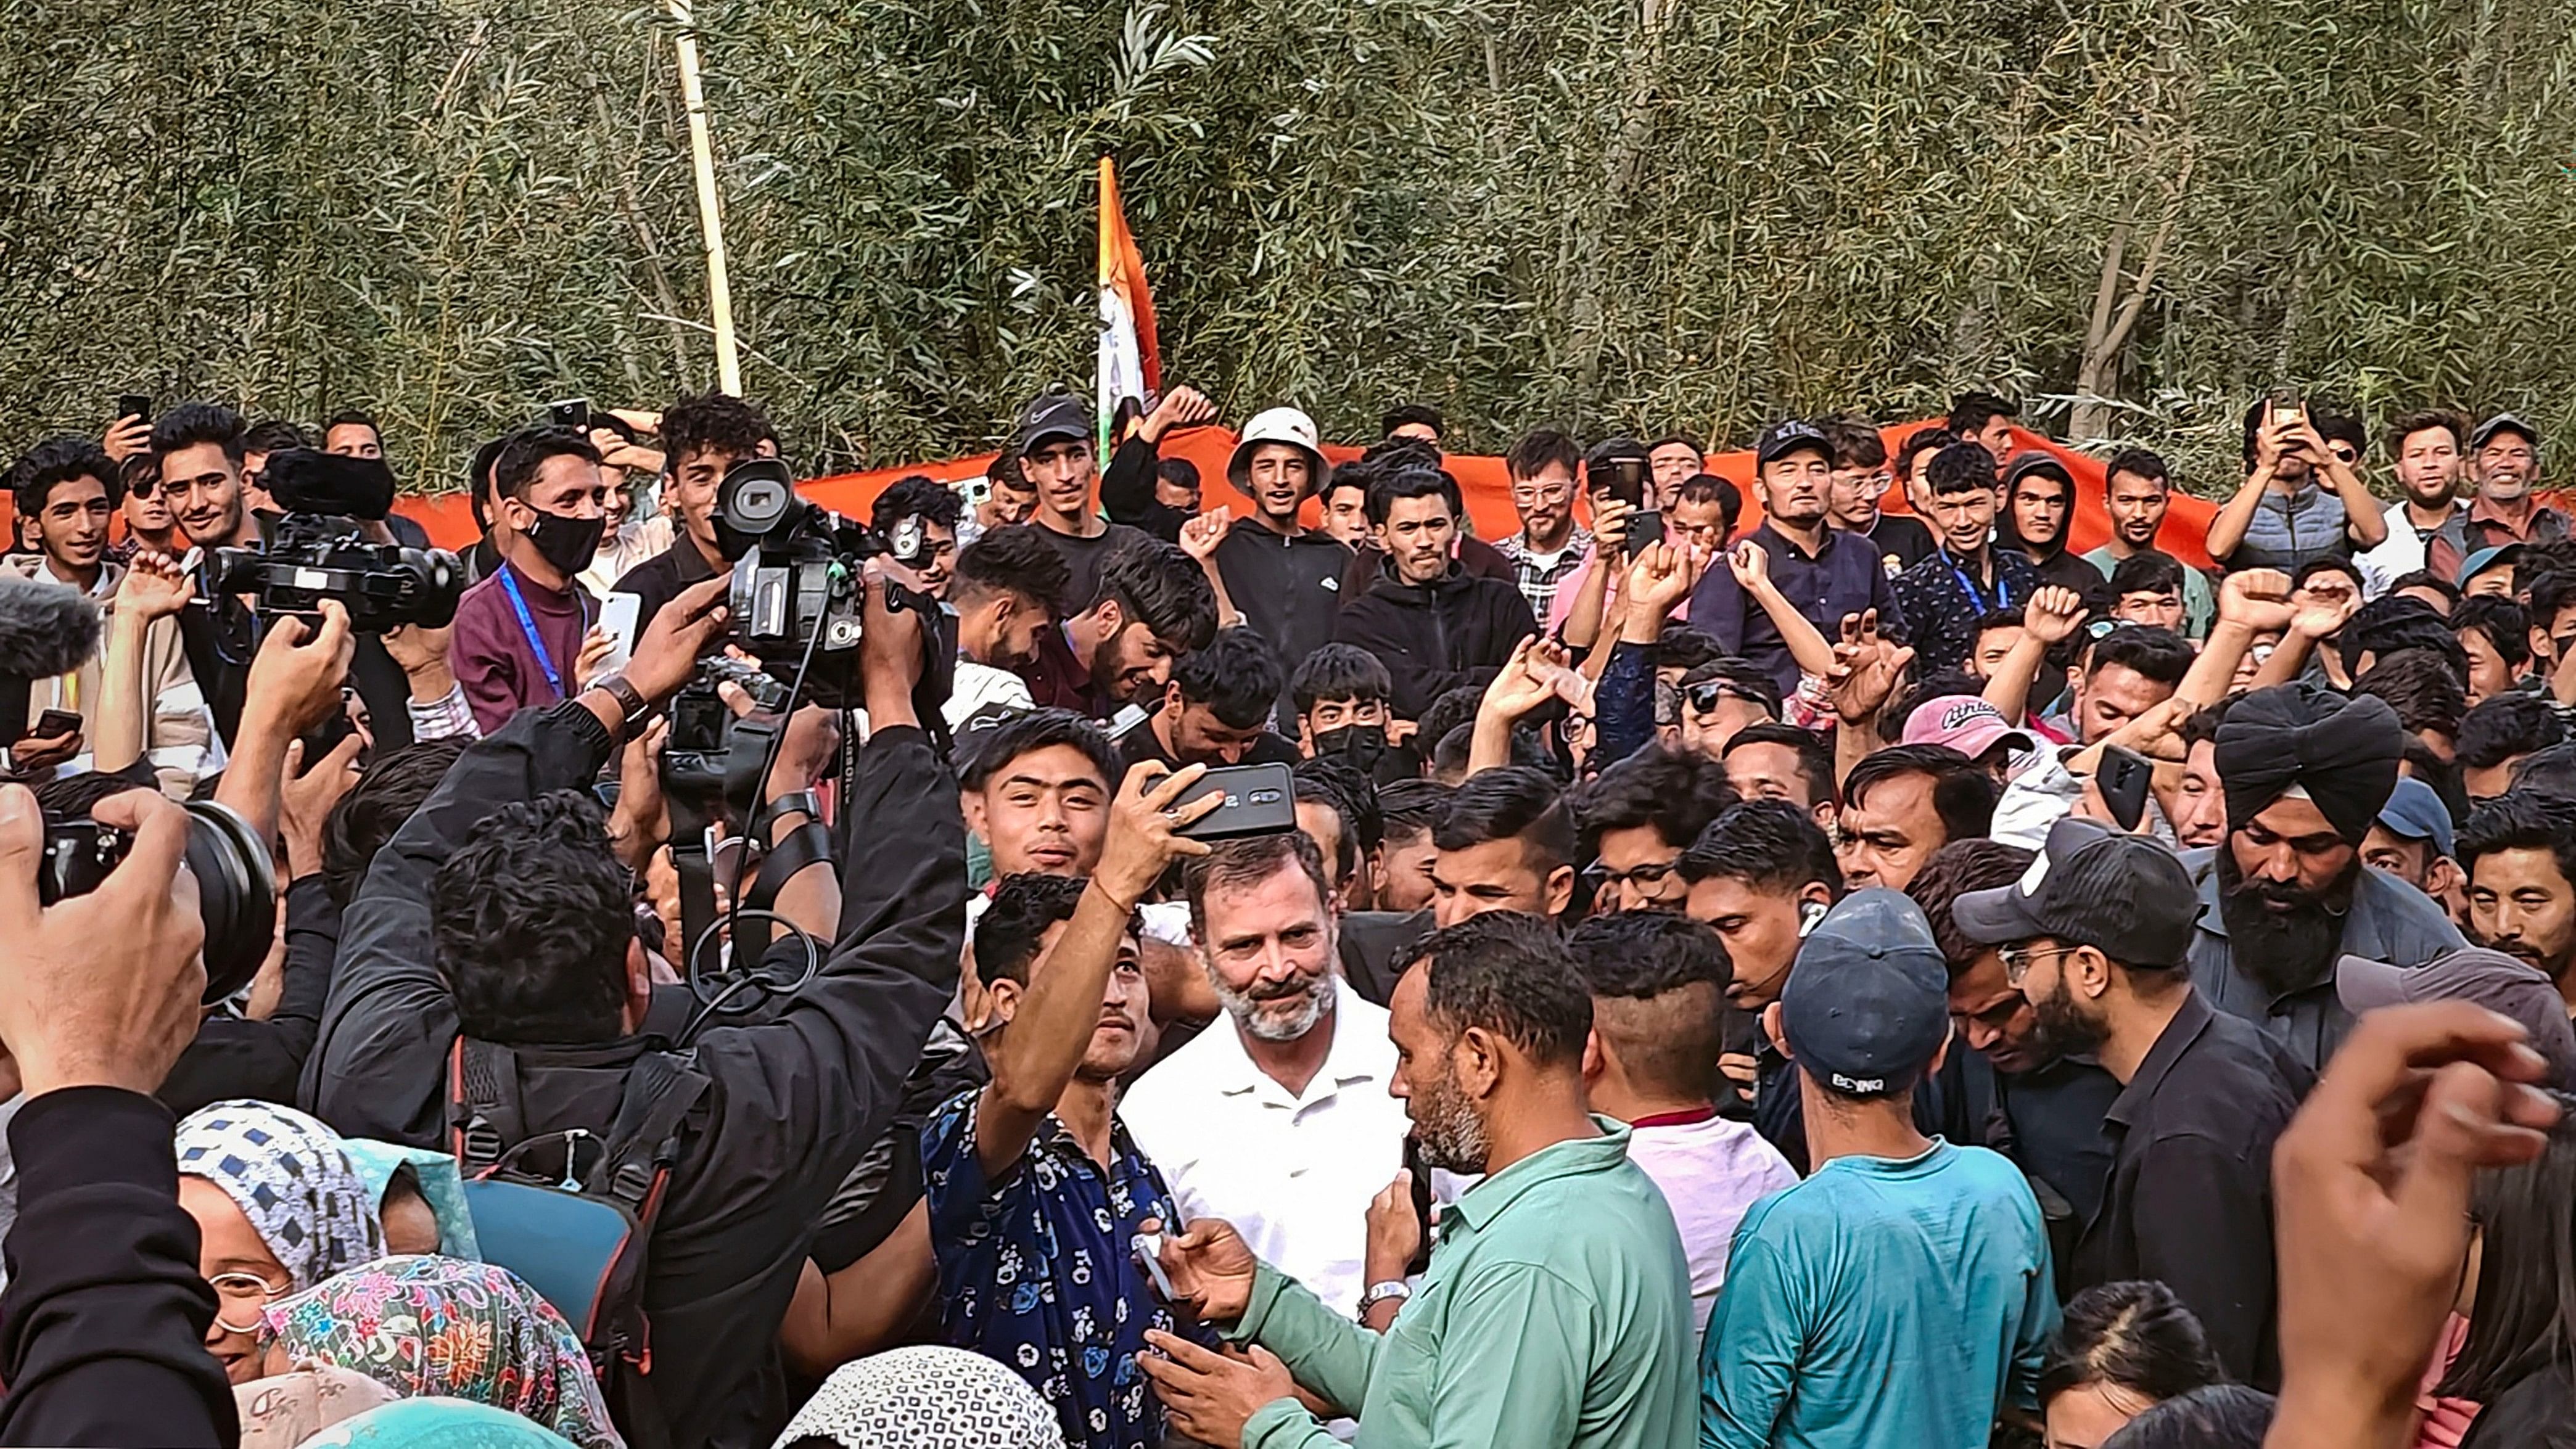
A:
x,y
1289,591
103,1329
234,1057
1127,491
797,1096
1435,637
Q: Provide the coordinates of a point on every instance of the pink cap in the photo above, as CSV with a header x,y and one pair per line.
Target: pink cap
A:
x,y
1963,722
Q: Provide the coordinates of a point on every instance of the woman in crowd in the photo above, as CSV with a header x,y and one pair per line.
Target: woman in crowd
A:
x,y
2122,1349
429,1327
2519,1360
2220,1416
419,1196
437,1424
279,1207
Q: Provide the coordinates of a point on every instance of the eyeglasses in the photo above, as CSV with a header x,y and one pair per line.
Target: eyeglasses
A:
x,y
1557,493
1645,879
1704,695
235,1292
2017,960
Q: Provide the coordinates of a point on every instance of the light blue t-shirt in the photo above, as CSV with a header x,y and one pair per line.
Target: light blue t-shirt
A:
x,y
1880,1305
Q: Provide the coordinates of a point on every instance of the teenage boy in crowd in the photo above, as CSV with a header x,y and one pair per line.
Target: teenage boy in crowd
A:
x,y
1008,590
1966,577
1901,1294
1986,420
1823,575
1053,446
69,489
2038,509
1149,604
2098,935
1434,625
703,437
2137,491
1861,481
1216,709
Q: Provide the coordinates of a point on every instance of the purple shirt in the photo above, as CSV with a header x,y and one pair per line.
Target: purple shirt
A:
x,y
491,654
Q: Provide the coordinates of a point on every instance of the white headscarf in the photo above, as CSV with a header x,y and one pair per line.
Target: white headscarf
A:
x,y
926,1398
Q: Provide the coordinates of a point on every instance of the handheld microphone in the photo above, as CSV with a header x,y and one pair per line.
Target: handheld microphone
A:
x,y
46,629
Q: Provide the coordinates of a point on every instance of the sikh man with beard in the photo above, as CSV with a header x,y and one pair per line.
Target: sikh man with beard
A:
x,y
2304,773
1556,1310
1283,1125
2098,935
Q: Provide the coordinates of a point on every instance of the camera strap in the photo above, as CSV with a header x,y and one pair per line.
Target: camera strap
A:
x,y
528,626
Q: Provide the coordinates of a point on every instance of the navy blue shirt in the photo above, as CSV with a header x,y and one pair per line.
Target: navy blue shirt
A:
x,y
1842,576
1943,599
1035,1270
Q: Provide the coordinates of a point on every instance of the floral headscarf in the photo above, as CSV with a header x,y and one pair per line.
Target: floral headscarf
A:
x,y
425,1326
290,1176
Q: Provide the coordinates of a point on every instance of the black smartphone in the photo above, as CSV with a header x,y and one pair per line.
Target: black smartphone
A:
x,y
134,405
1645,530
1620,478
2123,781
1421,1206
54,724
1259,800
573,413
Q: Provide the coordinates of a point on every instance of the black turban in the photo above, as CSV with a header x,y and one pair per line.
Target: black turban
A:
x,y
2343,752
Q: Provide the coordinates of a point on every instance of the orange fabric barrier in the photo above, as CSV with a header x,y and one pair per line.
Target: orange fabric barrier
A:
x,y
1489,500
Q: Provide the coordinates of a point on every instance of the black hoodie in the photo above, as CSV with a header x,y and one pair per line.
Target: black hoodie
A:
x,y
1457,629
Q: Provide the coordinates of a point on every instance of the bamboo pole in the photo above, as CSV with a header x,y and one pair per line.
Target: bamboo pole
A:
x,y
702,156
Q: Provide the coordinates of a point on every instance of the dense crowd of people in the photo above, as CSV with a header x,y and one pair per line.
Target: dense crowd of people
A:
x,y
1773,970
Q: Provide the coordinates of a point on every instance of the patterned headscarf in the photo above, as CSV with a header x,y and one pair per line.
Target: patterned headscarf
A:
x,y
441,1326
435,1424
927,1398
283,1411
290,1176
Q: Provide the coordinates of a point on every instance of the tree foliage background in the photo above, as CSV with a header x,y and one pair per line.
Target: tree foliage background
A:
x,y
1603,214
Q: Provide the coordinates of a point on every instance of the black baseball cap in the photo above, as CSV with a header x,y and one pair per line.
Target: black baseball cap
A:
x,y
1868,1000
2503,423
1054,414
2124,895
1781,439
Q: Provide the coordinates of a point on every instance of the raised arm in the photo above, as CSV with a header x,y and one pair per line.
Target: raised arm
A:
x,y
294,685
1199,539
1036,1055
1583,616
1807,644
1526,681
2049,619
154,588
2227,529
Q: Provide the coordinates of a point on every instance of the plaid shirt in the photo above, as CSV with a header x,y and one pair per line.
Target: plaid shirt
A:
x,y
1538,581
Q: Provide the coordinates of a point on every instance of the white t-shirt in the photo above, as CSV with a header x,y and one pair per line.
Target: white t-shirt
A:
x,y
1710,1172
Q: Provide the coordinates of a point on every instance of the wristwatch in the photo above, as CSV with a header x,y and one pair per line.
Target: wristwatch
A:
x,y
1393,1290
630,700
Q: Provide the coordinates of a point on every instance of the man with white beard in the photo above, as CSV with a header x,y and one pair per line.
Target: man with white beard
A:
x,y
1282,1126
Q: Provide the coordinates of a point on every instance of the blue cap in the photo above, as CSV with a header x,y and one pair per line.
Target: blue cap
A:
x,y
2487,558
1781,439
1868,1000
2414,812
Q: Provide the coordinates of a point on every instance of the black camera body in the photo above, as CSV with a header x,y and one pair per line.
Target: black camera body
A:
x,y
711,756
796,586
236,884
313,557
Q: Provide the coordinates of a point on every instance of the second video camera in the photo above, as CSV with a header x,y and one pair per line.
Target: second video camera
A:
x,y
319,549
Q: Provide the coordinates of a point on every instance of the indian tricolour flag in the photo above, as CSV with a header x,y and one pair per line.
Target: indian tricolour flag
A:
x,y
1131,371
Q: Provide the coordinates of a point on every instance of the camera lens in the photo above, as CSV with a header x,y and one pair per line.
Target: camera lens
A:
x,y
236,895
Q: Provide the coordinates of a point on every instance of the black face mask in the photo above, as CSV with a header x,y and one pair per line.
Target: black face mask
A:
x,y
566,544
1363,745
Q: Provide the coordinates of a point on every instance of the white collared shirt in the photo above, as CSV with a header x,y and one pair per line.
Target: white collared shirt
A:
x,y
1294,1174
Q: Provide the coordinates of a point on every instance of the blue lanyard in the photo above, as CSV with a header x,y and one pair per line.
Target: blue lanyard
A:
x,y
528,626
2003,591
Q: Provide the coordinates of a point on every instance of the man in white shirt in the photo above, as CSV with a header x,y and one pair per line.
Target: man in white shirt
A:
x,y
2428,530
1655,978
1278,1119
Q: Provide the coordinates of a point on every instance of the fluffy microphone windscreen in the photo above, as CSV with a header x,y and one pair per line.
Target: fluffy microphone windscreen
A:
x,y
46,628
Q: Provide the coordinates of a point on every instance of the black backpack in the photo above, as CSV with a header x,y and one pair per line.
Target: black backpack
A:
x,y
567,1155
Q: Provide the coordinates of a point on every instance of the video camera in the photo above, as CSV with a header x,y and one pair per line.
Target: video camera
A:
x,y
236,884
317,549
796,580
711,756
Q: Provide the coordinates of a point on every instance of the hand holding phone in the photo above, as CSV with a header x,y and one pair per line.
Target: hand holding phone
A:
x,y
2122,780
55,724
1147,1250
573,413
620,617
1259,800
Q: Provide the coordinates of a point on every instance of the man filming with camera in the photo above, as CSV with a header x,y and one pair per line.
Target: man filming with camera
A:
x,y
500,914
523,633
